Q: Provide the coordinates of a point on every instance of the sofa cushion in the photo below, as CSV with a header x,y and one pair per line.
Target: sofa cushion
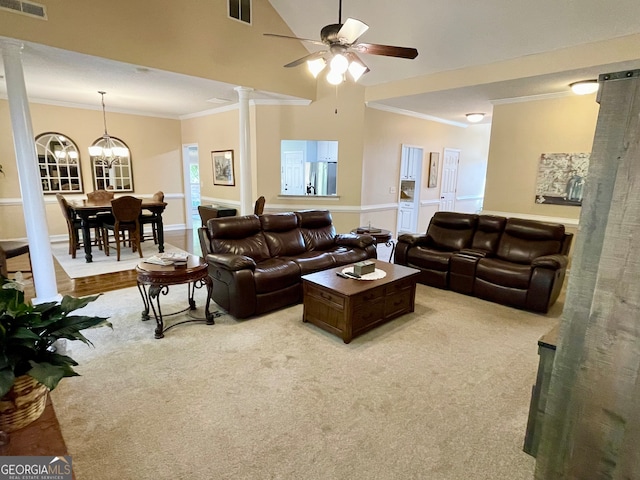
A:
x,y
523,240
451,231
488,232
274,274
238,235
317,229
282,234
501,272
429,259
314,261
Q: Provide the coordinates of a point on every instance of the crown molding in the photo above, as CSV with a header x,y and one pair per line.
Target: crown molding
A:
x,y
409,113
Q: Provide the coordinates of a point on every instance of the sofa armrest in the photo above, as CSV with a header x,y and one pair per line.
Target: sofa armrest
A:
x,y
413,239
554,262
354,240
205,244
231,262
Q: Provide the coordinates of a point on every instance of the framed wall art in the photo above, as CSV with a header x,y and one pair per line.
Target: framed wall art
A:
x,y
561,178
223,167
434,160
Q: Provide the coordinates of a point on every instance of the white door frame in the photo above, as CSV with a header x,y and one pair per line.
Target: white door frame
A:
x,y
187,183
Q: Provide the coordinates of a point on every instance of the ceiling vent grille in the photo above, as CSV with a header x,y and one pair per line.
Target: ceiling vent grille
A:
x,y
26,8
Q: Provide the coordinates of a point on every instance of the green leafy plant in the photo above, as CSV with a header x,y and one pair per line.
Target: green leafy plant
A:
x,y
28,332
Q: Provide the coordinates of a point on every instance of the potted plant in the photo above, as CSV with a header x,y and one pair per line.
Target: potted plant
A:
x,y
30,366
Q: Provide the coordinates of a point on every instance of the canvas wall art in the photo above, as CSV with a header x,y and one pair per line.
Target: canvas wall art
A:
x,y
561,178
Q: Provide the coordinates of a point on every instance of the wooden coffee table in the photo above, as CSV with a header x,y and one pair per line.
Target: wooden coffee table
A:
x,y
349,307
154,280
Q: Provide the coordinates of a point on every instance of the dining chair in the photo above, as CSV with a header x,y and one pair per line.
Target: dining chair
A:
x,y
151,219
126,212
258,208
207,213
74,225
99,196
10,249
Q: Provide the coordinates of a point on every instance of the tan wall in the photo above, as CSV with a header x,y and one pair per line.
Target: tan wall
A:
x,y
210,133
155,150
520,133
194,37
385,133
318,121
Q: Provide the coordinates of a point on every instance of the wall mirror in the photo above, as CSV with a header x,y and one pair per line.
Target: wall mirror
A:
x,y
112,169
59,163
308,167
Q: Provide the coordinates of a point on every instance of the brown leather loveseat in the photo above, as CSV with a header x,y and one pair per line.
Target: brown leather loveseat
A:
x,y
256,262
513,261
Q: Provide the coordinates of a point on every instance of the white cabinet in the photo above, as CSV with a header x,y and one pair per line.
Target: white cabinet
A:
x,y
327,151
405,220
410,166
409,191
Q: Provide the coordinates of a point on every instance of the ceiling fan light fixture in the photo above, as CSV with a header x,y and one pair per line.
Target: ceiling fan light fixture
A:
x,y
339,64
475,117
316,66
356,69
335,78
584,87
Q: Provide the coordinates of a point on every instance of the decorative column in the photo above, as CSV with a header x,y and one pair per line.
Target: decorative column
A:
x,y
246,184
35,217
591,428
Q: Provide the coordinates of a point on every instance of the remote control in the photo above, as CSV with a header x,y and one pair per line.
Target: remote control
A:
x,y
351,274
340,274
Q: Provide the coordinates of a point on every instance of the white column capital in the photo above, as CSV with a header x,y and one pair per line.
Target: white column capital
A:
x,y
10,46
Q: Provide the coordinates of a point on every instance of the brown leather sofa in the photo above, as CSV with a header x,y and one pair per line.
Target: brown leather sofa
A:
x,y
256,262
513,261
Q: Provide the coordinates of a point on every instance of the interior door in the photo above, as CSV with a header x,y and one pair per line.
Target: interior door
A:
x,y
293,173
449,179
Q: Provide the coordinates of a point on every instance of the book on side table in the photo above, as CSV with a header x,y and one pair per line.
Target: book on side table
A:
x,y
165,259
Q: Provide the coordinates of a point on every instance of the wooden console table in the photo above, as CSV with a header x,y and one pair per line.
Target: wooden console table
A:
x,y
547,352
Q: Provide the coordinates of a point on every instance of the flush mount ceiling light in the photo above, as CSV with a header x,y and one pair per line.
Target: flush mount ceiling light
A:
x,y
475,117
584,87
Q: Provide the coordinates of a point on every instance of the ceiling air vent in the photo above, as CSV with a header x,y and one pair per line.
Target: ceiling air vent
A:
x,y
26,8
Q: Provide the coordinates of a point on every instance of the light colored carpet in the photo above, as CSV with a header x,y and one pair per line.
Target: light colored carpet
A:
x,y
441,394
78,267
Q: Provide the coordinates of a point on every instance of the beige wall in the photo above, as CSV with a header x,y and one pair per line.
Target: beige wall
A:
x,y
385,133
211,133
193,37
155,150
520,133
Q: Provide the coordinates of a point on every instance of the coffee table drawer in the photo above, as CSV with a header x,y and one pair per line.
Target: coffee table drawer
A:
x,y
399,286
332,299
398,304
367,313
369,296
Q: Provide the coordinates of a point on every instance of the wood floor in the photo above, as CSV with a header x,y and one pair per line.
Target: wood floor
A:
x,y
80,287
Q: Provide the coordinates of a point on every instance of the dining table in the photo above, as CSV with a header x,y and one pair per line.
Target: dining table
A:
x,y
84,209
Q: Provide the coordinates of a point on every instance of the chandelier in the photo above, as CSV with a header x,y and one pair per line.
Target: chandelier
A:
x,y
107,152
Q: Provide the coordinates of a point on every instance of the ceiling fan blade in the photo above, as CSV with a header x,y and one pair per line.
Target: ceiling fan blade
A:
x,y
317,42
306,58
351,30
387,50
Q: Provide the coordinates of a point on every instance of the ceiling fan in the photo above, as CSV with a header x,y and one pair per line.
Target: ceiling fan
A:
x,y
342,52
